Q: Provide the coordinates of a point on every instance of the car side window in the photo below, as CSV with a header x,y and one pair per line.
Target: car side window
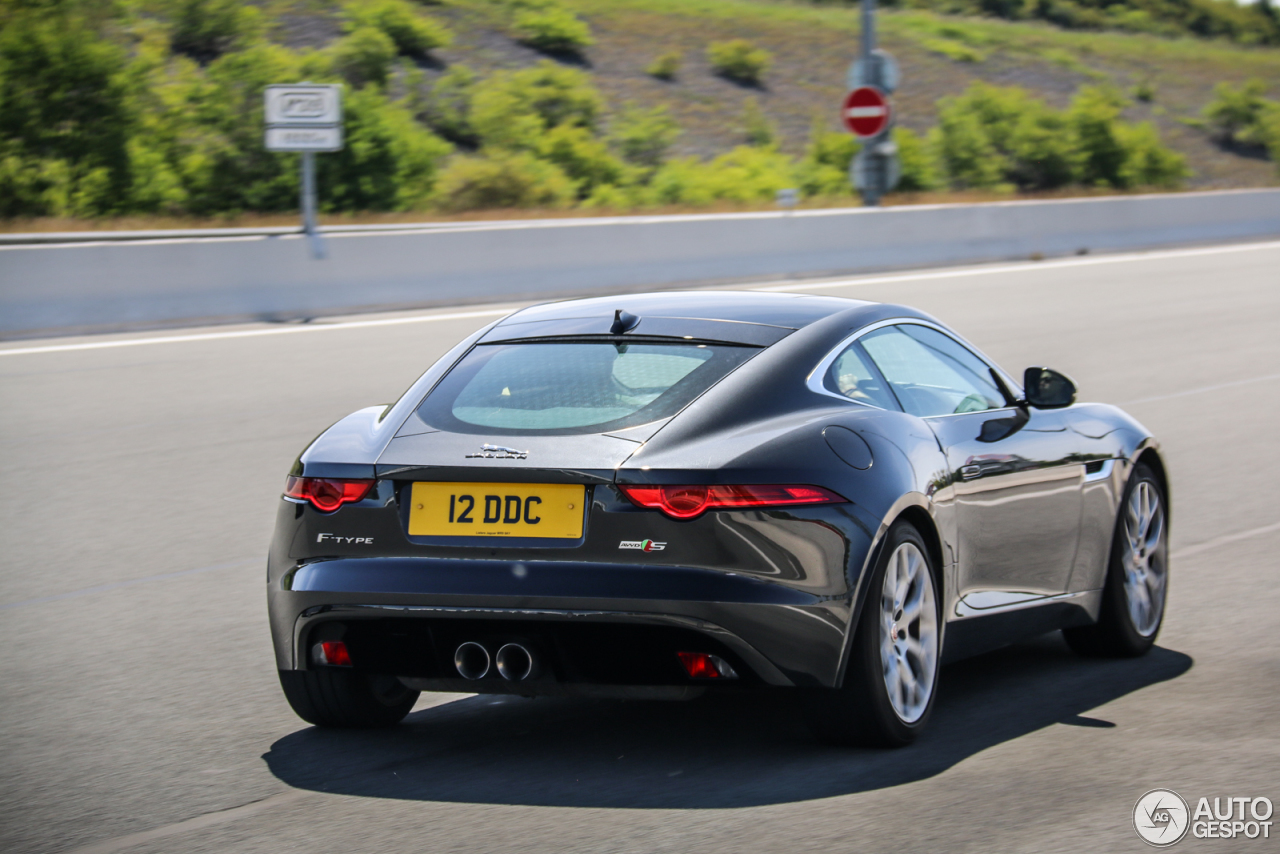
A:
x,y
931,373
853,376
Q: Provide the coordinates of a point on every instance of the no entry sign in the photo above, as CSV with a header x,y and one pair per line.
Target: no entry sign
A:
x,y
865,112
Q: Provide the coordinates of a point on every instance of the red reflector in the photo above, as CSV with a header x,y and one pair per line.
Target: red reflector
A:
x,y
702,665
686,502
326,493
333,653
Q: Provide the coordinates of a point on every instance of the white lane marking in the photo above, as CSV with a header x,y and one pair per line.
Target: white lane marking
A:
x,y
831,283
119,843
254,333
115,585
1020,267
1187,551
1201,390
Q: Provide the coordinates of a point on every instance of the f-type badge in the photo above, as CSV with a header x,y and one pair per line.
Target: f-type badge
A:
x,y
498,452
642,545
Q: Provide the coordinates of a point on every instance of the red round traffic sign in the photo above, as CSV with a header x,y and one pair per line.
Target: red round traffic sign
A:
x,y
865,111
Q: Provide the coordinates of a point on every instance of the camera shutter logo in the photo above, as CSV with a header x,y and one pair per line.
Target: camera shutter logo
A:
x,y
1161,817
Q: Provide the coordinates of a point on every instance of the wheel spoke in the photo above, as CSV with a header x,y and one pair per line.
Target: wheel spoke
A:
x,y
1155,531
902,579
1147,505
1139,509
923,655
1131,534
911,609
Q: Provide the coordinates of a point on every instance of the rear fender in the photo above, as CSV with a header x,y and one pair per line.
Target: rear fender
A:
x,y
859,578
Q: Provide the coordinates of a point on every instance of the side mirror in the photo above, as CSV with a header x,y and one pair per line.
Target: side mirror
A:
x,y
1045,388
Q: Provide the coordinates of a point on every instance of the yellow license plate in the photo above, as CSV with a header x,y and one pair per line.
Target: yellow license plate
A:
x,y
497,510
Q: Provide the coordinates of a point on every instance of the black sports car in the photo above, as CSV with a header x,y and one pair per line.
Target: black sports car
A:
x,y
661,494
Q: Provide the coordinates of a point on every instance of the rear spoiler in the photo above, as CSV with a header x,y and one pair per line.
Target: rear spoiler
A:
x,y
690,329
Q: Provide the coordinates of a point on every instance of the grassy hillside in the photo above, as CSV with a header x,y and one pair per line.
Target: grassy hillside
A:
x,y
813,45
152,108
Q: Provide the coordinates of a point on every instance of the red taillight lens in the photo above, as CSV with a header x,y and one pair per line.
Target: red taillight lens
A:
x,y
332,653
326,493
702,665
686,502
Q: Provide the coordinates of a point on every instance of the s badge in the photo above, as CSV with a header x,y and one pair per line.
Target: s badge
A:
x,y
642,545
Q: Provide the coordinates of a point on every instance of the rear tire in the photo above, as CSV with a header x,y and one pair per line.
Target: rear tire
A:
x,y
892,677
330,697
1137,583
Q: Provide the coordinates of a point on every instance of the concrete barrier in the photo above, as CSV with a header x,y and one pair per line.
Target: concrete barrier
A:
x,y
90,282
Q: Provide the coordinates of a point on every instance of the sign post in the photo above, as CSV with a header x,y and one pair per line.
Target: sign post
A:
x,y
867,114
306,119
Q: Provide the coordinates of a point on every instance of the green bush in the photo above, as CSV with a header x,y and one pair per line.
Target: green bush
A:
x,y
31,186
824,168
157,186
613,197
745,174
447,110
412,33
206,29
740,61
955,51
1147,162
666,66
643,137
365,56
919,170
682,181
66,116
994,137
512,109
502,180
968,158
1235,115
584,158
1040,152
553,29
1094,114
751,174
1271,131
388,161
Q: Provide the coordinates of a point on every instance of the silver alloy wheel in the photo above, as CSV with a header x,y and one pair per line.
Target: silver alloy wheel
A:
x,y
908,632
1145,572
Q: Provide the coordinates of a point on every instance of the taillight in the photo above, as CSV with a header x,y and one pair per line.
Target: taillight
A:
x,y
327,493
332,653
687,502
703,665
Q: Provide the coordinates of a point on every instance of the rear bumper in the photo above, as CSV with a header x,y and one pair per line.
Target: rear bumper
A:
x,y
777,634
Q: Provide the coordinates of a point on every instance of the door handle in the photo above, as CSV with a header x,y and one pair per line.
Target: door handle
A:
x,y
969,472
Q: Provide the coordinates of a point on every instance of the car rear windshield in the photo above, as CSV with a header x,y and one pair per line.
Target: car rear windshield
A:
x,y
577,387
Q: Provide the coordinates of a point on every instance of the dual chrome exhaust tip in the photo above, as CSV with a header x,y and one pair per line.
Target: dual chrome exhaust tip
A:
x,y
514,662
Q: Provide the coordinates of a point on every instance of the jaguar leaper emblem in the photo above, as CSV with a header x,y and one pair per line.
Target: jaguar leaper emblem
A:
x,y
498,452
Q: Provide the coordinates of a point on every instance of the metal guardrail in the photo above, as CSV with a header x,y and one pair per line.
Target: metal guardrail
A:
x,y
99,281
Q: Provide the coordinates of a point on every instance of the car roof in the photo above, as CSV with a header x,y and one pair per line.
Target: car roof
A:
x,y
789,311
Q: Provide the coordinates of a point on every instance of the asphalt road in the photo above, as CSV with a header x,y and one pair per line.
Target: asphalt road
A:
x,y
139,708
